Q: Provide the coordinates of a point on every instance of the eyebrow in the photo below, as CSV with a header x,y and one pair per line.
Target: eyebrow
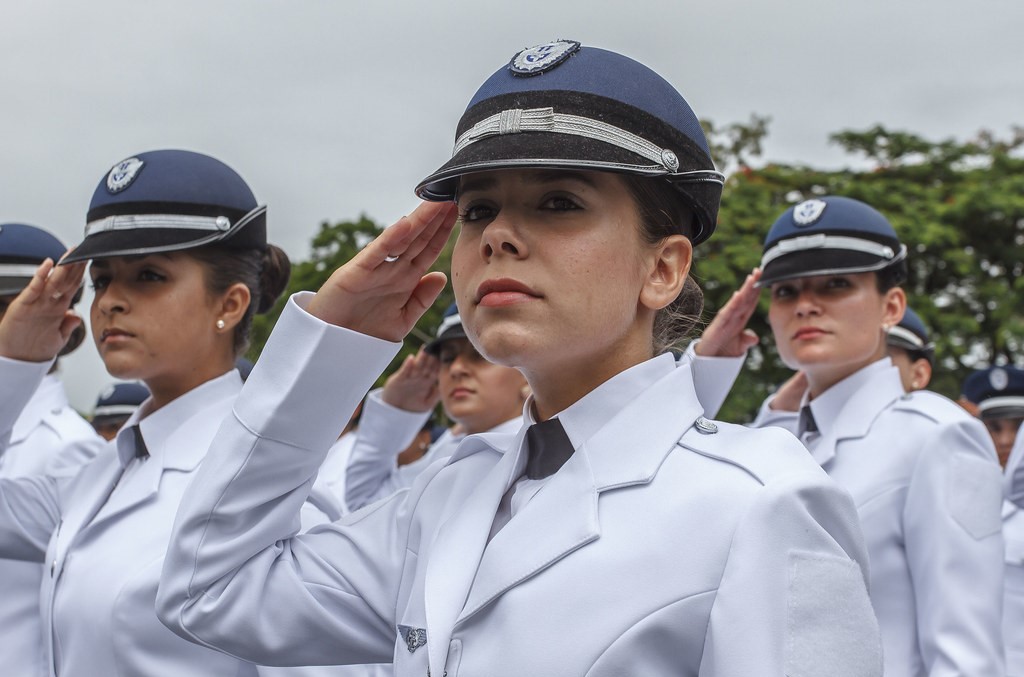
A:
x,y
540,176
105,262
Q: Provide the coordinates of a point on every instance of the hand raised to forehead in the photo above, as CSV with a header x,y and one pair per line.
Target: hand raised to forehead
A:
x,y
39,321
727,335
414,387
386,288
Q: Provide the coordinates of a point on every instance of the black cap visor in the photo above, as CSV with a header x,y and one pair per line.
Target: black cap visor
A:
x,y
813,262
455,332
250,234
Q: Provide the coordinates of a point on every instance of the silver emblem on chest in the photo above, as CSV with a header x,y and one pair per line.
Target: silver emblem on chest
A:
x,y
414,637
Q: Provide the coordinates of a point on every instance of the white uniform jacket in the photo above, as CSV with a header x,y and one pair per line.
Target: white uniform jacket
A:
x,y
48,437
656,550
926,482
1013,599
104,533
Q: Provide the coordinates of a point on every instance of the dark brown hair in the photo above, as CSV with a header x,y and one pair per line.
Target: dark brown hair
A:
x,y
663,212
264,272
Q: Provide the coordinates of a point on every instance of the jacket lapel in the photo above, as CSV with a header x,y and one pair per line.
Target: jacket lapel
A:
x,y
182,450
455,552
563,516
92,487
859,413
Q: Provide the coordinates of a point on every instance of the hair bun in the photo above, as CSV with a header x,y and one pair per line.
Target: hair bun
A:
x,y
274,274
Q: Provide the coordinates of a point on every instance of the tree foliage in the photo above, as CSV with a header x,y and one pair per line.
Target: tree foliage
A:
x,y
958,205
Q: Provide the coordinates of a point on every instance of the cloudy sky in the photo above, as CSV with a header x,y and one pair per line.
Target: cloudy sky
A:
x,y
332,108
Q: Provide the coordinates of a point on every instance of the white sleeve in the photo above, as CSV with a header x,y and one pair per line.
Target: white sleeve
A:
x,y
954,544
713,377
236,577
20,381
384,432
793,597
775,418
29,506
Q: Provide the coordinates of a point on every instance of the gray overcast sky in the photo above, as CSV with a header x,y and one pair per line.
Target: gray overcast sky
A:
x,y
332,108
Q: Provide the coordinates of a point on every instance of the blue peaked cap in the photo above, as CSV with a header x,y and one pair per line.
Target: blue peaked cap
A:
x,y
22,249
998,391
450,328
120,400
596,71
167,200
911,334
829,235
566,106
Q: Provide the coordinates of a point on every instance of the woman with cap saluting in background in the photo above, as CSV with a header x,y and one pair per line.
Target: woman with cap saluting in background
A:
x,y
922,472
617,532
180,264
48,437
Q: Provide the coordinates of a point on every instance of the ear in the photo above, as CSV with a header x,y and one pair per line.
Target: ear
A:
x,y
920,374
233,304
894,304
669,265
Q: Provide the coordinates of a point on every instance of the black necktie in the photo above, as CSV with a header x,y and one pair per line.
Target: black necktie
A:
x,y
806,424
548,447
140,444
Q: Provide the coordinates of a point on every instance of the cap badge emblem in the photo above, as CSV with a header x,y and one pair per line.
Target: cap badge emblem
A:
x,y
534,60
123,174
808,212
999,379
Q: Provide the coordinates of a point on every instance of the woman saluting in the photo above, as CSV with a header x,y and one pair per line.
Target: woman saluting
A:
x,y
180,265
617,532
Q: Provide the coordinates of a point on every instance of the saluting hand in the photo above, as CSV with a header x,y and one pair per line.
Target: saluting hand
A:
x,y
39,320
386,288
727,335
414,386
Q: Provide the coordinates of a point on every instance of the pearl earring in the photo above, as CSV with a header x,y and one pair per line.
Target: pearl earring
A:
x,y
220,324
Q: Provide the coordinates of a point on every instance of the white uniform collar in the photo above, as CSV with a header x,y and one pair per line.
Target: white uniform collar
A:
x,y
828,406
589,414
159,425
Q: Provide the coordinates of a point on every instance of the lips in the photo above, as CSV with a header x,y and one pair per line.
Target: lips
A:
x,y
809,333
459,392
113,334
504,291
